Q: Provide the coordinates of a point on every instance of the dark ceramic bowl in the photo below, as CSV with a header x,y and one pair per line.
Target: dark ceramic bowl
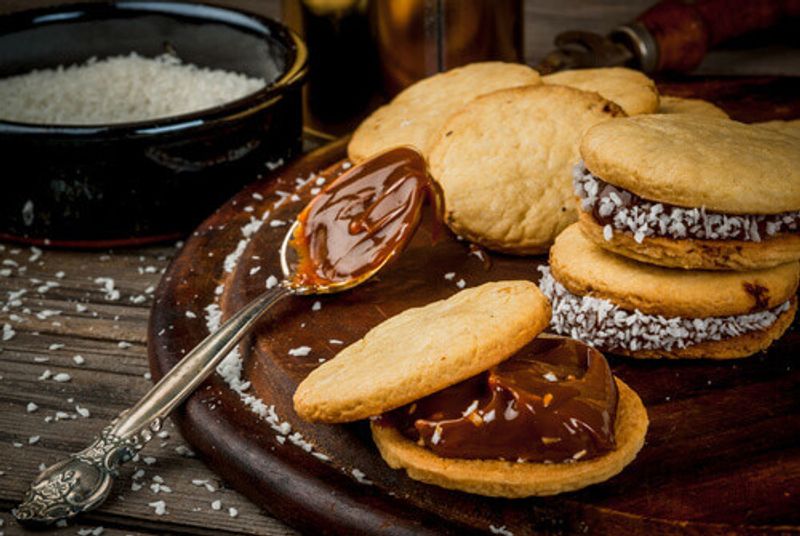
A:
x,y
133,183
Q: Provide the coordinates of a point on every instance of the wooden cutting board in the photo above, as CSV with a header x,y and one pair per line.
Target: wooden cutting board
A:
x,y
722,454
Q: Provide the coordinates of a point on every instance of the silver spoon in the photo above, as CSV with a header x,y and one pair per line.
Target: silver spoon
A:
x,y
83,481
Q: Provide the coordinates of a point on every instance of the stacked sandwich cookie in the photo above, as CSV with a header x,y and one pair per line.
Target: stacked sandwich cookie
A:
x,y
688,239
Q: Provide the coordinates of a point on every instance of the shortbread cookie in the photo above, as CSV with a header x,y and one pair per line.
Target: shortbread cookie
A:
x,y
420,110
680,105
497,478
631,90
626,307
791,127
505,162
424,350
691,192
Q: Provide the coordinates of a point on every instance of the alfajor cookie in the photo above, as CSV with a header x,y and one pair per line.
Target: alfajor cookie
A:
x,y
419,111
634,92
423,350
680,105
791,127
691,192
619,305
472,403
504,164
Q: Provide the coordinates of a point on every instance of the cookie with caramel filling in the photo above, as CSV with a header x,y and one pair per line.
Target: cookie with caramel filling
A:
x,y
512,479
691,192
423,350
642,310
461,395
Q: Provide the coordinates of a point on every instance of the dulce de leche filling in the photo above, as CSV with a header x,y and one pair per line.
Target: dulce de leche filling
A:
x,y
619,210
553,401
363,218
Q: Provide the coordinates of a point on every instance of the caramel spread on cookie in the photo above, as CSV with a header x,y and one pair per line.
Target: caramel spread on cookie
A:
x,y
365,216
553,401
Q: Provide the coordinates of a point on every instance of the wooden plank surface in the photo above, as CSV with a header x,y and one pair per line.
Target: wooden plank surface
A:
x,y
110,334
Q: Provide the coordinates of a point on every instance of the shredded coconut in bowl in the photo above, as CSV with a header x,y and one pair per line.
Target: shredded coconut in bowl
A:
x,y
600,323
119,89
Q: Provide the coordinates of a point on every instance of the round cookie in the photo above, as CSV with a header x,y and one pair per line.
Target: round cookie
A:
x,y
631,90
417,113
690,161
498,478
699,107
504,164
696,254
585,270
443,343
791,127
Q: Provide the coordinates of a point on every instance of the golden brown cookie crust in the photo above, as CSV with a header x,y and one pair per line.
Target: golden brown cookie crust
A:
x,y
679,105
505,164
791,127
423,350
697,254
420,110
689,161
585,268
495,478
631,90
730,348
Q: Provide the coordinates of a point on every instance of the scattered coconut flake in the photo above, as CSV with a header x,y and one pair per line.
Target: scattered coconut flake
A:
x,y
501,530
8,332
216,505
83,412
550,377
111,293
461,283
272,281
62,377
55,346
335,341
254,270
31,407
190,314
233,512
450,276
78,359
360,477
316,306
160,507
300,351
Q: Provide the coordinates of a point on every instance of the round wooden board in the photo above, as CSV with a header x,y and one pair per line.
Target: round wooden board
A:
x,y
722,454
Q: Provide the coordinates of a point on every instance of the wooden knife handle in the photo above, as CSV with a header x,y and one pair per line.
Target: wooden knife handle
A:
x,y
685,30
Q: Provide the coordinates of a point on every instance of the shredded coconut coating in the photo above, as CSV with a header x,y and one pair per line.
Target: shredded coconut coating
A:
x,y
619,210
599,323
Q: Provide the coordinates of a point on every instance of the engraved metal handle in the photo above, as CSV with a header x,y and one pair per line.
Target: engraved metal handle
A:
x,y
84,480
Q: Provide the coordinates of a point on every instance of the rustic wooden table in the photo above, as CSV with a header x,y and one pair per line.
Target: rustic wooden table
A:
x,y
73,352
73,358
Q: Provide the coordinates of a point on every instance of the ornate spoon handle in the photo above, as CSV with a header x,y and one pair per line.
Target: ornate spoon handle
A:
x,y
84,480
